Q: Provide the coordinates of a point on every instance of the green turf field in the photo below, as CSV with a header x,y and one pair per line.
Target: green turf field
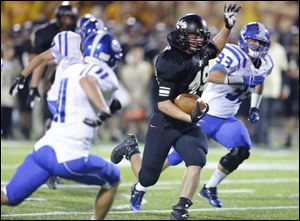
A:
x,y
265,187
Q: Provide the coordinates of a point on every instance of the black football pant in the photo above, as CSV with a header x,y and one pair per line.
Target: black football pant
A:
x,y
188,140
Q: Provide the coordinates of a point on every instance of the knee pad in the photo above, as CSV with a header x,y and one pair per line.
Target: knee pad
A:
x,y
148,176
234,158
174,158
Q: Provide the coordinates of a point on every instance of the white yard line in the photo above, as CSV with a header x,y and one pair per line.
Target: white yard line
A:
x,y
151,211
291,166
164,184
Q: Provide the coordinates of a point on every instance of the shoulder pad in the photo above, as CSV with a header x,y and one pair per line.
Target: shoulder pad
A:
x,y
232,57
169,64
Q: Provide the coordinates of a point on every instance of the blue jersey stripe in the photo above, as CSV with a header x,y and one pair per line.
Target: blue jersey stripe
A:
x,y
241,53
64,100
59,104
66,44
234,53
105,75
59,43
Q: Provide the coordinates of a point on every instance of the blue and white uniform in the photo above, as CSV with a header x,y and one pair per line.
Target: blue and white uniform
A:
x,y
64,150
224,100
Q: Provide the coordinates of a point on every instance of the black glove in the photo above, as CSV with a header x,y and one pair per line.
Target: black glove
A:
x,y
115,105
17,85
230,15
197,114
101,117
33,94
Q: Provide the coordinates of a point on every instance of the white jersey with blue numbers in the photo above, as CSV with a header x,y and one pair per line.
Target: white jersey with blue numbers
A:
x,y
224,100
68,135
66,51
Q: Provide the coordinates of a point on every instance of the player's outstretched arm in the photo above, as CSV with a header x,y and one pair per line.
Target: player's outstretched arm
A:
x,y
35,66
44,57
230,15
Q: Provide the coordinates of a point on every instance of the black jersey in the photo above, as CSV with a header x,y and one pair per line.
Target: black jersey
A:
x,y
178,72
43,37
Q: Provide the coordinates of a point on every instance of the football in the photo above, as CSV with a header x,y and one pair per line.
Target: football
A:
x,y
186,102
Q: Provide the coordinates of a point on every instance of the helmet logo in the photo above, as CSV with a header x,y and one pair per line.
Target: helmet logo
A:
x,y
181,24
115,45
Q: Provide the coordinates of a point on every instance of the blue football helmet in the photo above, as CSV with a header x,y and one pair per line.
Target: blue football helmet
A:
x,y
91,26
82,21
103,46
258,32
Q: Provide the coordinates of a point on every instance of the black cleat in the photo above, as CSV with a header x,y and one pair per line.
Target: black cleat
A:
x,y
127,148
179,213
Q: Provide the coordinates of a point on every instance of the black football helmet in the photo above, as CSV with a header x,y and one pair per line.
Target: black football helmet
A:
x,y
66,9
187,25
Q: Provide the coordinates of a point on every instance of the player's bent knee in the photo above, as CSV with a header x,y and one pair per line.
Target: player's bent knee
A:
x,y
234,158
197,159
148,176
174,158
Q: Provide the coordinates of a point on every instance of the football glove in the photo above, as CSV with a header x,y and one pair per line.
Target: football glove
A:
x,y
253,115
230,15
115,105
33,94
101,117
17,85
197,113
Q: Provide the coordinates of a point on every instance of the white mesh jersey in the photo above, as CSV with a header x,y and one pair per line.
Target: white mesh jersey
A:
x,y
68,135
224,100
66,51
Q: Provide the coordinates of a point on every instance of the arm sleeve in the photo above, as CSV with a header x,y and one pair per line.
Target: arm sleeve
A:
x,y
38,42
105,78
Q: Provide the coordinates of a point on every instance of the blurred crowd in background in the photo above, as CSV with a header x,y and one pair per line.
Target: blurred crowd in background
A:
x,y
142,27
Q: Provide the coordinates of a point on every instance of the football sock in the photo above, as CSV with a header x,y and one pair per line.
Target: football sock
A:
x,y
215,179
139,187
184,202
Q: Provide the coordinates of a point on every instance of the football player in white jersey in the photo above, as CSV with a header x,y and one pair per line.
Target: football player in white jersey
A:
x,y
239,71
64,150
65,50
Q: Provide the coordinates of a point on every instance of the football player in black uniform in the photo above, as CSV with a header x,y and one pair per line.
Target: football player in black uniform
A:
x,y
181,68
66,18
